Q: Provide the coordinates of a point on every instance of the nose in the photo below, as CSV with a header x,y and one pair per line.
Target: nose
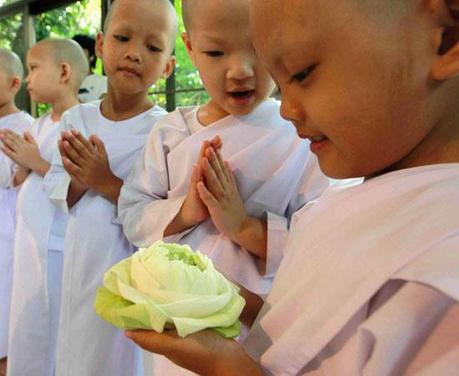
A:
x,y
132,53
241,68
290,108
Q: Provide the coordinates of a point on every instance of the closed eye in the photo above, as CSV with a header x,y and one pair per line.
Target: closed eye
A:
x,y
153,48
301,76
121,38
214,53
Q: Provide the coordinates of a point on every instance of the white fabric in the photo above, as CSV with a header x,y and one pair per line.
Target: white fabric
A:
x,y
86,344
275,172
93,88
322,316
17,122
30,347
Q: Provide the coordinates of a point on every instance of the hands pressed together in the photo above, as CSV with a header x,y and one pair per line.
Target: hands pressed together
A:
x,y
86,161
24,151
213,193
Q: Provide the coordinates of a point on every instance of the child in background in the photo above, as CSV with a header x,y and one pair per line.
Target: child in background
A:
x,y
182,190
11,75
56,69
99,144
94,86
370,281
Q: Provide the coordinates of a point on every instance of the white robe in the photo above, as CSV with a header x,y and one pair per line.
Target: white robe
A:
x,y
30,349
17,122
87,345
275,172
369,284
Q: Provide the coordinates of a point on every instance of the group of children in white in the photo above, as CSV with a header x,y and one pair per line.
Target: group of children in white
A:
x,y
366,275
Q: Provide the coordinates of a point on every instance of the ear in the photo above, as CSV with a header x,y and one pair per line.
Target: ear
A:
x,y
15,84
99,44
446,64
170,65
66,73
189,49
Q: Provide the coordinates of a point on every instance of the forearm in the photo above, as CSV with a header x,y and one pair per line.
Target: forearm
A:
x,y
253,236
111,189
74,193
178,225
20,176
41,167
253,305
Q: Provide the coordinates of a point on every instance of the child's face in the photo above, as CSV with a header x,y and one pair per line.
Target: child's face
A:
x,y
357,87
136,48
220,47
43,79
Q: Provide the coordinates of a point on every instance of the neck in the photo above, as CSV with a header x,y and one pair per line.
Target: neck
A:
x,y
210,113
440,146
65,101
117,107
8,109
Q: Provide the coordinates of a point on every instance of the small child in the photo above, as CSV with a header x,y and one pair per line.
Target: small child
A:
x,y
11,75
99,144
370,281
240,220
56,70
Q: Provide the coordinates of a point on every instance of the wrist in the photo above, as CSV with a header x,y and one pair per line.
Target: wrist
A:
x,y
237,364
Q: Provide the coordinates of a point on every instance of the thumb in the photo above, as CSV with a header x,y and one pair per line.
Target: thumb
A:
x,y
28,137
150,340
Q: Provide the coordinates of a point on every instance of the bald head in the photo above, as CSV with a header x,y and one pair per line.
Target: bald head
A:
x,y
11,64
213,12
164,8
69,52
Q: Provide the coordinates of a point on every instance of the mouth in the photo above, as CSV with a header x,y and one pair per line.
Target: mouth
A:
x,y
241,96
317,138
129,71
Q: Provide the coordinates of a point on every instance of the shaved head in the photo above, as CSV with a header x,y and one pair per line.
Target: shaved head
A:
x,y
69,52
164,8
11,64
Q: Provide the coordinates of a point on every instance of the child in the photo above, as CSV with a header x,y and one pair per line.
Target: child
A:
x,y
56,70
242,227
370,281
11,75
99,144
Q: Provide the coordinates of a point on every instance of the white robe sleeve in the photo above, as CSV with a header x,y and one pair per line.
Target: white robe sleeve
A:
x,y
57,181
6,171
408,333
144,208
310,187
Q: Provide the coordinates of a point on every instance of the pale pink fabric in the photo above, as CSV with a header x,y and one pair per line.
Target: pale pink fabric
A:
x,y
340,304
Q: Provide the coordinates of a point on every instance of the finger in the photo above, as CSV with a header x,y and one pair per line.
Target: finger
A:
x,y
204,146
78,147
206,196
225,166
62,151
29,138
81,138
213,184
99,146
217,165
160,343
72,154
74,170
216,143
195,175
8,152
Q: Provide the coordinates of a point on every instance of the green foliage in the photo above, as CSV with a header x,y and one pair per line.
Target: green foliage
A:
x,y
83,17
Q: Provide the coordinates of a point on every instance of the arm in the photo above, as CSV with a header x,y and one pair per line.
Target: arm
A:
x,y
20,176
